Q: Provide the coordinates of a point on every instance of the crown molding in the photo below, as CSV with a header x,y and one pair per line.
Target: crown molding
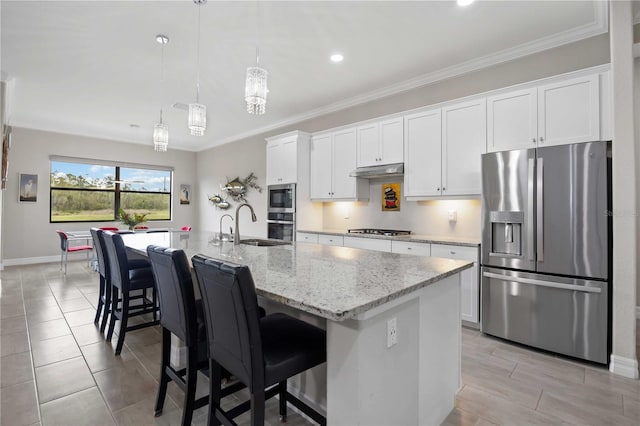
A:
x,y
598,26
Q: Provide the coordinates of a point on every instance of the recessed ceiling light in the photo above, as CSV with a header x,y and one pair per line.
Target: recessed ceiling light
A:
x,y
336,58
465,2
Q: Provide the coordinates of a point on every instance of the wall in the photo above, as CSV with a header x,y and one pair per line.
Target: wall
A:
x,y
215,167
27,233
420,217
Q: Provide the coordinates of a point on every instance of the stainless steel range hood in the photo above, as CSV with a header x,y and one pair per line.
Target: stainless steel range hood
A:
x,y
379,171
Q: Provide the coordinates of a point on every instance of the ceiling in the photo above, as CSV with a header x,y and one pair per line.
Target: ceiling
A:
x,y
94,67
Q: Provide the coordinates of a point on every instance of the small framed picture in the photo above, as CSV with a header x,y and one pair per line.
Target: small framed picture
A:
x,y
185,194
28,188
390,197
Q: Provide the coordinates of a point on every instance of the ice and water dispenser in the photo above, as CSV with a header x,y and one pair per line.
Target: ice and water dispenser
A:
x,y
506,232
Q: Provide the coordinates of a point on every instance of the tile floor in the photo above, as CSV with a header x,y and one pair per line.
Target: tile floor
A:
x,y
56,369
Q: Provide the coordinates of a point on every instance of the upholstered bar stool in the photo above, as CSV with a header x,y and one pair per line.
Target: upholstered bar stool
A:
x,y
104,297
123,282
261,352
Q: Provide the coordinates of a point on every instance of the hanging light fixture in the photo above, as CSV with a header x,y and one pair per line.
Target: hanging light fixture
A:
x,y
197,111
161,130
255,89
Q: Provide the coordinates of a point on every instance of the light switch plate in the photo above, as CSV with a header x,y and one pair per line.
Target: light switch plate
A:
x,y
453,215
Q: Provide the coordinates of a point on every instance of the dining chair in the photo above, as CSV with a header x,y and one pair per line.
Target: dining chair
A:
x,y
67,248
262,353
124,281
104,297
109,228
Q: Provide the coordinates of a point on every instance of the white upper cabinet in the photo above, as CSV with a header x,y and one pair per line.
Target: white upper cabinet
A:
x,y
564,112
380,143
282,160
569,111
512,120
464,140
422,153
333,157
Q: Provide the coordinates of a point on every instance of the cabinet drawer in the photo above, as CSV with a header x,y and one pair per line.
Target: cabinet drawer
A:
x,y
455,252
330,240
306,237
368,243
406,247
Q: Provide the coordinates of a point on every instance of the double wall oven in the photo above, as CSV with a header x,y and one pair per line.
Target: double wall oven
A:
x,y
281,212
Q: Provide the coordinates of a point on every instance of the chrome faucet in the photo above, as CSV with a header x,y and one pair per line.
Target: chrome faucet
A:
x,y
220,234
236,239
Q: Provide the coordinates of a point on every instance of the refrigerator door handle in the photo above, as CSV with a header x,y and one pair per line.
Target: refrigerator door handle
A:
x,y
529,219
540,210
542,283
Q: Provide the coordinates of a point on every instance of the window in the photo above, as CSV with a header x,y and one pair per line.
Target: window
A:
x,y
82,192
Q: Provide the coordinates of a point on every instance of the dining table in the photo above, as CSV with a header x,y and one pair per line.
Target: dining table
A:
x,y
392,321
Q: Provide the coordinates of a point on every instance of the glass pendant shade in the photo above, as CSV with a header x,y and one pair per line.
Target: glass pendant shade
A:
x,y
255,90
160,137
197,119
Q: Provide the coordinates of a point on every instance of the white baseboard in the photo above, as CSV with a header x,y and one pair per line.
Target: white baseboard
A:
x,y
626,367
32,260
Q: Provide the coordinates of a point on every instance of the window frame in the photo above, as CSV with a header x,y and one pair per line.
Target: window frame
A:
x,y
117,191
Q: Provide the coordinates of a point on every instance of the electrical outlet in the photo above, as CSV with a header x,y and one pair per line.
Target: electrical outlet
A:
x,y
392,332
453,216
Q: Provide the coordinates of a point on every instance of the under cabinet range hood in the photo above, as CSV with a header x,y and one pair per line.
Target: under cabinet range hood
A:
x,y
379,171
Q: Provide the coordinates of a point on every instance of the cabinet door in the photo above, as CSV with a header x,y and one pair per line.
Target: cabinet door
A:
x,y
470,294
288,161
320,168
273,151
392,141
330,240
464,140
409,247
368,145
422,153
569,111
512,121
306,237
344,162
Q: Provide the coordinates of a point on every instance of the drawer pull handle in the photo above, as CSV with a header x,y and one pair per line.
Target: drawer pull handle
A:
x,y
408,248
452,252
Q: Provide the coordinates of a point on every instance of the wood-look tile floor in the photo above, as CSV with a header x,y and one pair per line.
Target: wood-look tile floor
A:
x,y
56,369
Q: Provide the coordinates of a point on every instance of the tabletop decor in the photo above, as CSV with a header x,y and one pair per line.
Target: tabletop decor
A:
x,y
132,219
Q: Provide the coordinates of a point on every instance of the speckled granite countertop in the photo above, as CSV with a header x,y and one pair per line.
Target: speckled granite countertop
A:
x,y
336,283
457,241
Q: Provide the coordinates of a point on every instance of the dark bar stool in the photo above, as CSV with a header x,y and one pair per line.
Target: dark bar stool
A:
x,y
261,352
123,282
104,298
180,314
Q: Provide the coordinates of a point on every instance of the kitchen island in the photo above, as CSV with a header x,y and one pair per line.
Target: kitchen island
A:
x,y
358,295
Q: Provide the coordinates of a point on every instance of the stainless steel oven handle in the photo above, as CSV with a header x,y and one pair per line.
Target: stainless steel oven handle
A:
x,y
540,208
542,283
529,219
281,222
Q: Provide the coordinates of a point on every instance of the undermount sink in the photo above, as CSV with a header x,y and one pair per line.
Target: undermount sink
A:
x,y
264,243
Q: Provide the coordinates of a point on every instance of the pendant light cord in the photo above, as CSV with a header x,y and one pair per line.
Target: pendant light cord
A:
x,y
198,58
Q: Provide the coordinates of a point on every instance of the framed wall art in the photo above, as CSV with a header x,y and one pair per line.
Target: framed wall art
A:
x,y
185,194
28,190
390,197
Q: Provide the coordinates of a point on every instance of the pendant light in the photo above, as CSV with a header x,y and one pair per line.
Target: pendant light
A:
x,y
161,130
255,89
197,111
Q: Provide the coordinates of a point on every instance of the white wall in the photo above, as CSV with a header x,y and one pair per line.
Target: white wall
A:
x,y
217,166
27,233
420,217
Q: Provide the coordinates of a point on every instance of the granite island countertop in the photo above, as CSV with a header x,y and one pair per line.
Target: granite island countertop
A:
x,y
416,238
336,283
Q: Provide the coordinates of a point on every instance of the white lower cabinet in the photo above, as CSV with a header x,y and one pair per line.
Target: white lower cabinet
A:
x,y
470,295
307,237
408,247
368,243
331,240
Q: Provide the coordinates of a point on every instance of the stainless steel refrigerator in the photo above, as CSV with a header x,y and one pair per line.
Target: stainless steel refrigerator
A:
x,y
546,228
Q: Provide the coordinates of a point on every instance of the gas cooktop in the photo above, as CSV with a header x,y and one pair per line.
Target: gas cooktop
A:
x,y
387,232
